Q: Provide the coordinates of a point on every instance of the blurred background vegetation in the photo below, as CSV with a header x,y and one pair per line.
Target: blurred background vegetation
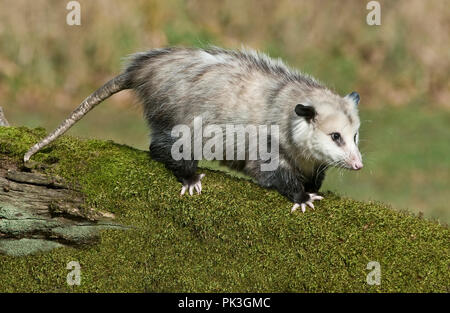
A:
x,y
401,70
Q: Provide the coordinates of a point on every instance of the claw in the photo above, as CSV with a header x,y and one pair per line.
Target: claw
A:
x,y
296,205
312,197
303,207
190,187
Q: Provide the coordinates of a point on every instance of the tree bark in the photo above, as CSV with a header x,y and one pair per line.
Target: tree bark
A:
x,y
39,213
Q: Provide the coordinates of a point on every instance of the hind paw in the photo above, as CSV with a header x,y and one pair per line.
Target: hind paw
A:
x,y
195,184
312,197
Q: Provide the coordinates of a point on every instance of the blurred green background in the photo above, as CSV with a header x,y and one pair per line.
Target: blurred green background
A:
x,y
401,70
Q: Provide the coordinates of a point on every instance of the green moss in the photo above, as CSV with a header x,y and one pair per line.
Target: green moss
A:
x,y
235,237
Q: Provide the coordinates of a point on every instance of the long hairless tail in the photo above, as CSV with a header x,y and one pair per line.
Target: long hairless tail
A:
x,y
113,86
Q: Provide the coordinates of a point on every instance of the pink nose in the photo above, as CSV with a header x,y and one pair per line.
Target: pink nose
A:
x,y
357,165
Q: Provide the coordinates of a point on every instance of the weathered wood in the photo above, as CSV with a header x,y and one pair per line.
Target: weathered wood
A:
x,y
35,206
3,120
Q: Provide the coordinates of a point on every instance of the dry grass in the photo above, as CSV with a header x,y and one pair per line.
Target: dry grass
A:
x,y
405,60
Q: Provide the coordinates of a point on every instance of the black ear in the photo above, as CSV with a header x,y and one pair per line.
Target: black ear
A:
x,y
308,112
354,96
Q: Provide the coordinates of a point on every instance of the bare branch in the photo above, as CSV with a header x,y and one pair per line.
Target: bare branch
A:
x,y
3,120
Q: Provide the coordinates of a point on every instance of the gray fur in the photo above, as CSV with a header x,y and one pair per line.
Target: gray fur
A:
x,y
175,85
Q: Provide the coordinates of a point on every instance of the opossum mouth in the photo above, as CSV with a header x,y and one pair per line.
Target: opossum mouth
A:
x,y
345,165
353,167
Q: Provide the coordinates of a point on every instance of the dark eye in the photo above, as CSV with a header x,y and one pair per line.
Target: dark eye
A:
x,y
354,138
335,136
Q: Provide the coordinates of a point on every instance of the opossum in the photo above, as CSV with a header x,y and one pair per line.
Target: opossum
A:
x,y
317,127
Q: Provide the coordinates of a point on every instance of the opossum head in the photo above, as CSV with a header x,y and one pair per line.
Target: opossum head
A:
x,y
326,128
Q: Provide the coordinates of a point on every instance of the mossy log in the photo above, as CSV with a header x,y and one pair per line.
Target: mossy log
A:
x,y
234,237
39,212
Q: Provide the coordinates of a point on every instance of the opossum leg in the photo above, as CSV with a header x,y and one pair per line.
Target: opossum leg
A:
x,y
184,170
313,184
287,182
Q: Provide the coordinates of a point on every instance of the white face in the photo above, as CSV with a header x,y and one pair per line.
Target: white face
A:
x,y
331,137
334,141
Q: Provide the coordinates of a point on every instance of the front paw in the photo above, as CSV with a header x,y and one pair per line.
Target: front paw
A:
x,y
191,184
309,202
